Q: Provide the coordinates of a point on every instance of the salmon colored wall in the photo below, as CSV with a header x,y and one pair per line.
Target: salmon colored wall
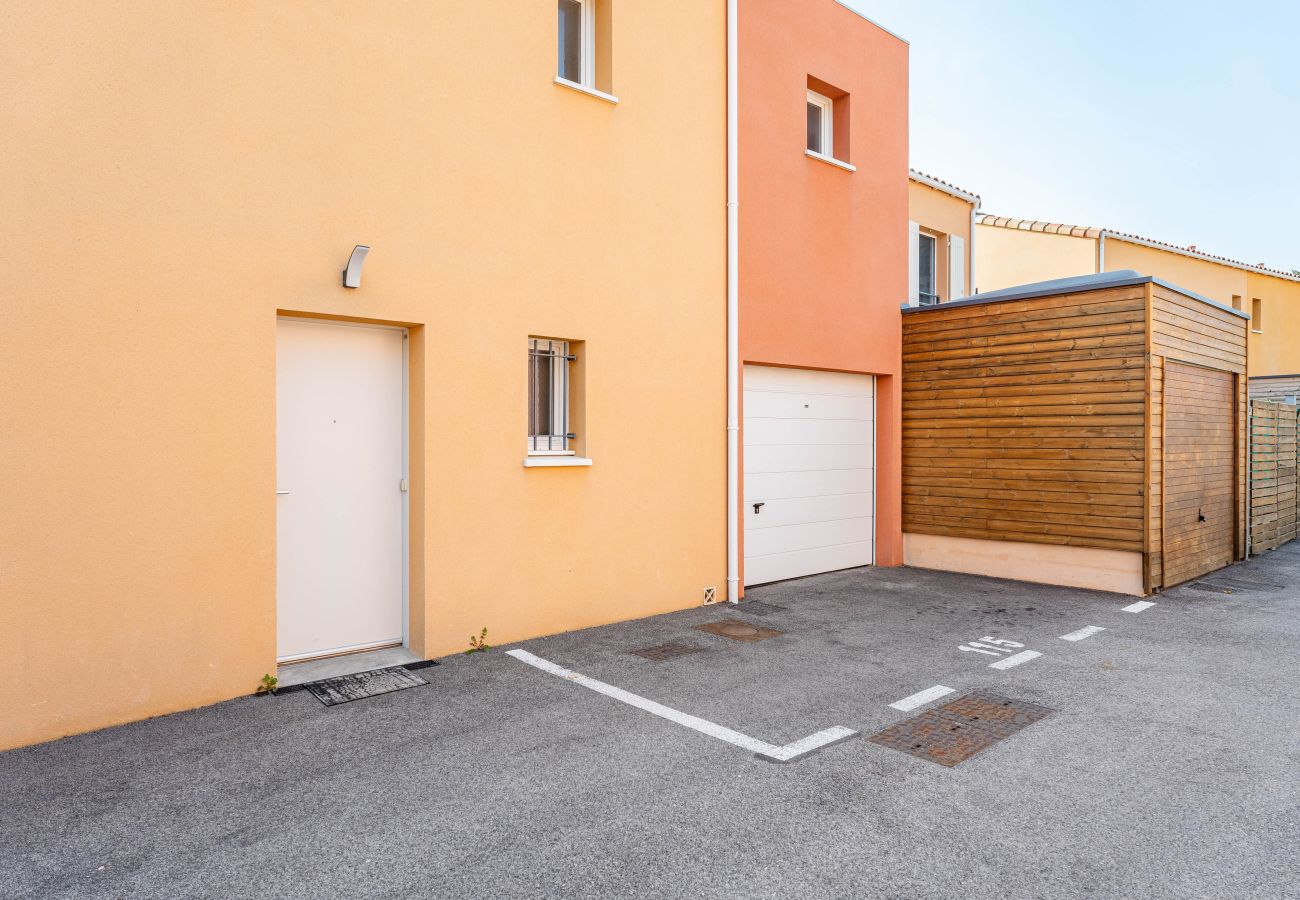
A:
x,y
823,251
175,174
934,210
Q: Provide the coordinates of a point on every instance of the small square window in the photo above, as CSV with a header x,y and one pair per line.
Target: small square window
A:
x,y
548,396
821,124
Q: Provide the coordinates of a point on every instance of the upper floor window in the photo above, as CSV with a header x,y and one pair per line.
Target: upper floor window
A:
x,y
927,274
577,38
828,124
1256,314
821,124
585,47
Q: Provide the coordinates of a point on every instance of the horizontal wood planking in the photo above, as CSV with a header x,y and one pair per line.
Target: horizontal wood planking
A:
x,y
1190,331
1275,388
1273,475
1024,420
1200,521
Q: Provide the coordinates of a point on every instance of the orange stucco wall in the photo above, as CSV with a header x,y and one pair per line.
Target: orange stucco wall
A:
x,y
176,174
823,251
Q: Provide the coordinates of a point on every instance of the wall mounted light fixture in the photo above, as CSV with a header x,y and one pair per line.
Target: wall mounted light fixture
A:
x,y
352,274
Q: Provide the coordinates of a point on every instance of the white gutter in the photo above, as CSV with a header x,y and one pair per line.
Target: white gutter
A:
x,y
733,308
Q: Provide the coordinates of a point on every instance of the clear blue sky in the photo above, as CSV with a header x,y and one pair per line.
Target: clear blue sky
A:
x,y
1175,120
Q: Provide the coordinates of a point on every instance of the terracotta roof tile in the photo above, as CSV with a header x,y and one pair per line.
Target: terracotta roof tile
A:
x,y
1088,232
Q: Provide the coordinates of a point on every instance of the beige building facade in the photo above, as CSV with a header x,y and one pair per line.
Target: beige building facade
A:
x,y
941,240
1020,251
537,339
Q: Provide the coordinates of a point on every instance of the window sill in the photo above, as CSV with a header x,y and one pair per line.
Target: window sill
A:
x,y
821,157
583,89
536,461
1256,331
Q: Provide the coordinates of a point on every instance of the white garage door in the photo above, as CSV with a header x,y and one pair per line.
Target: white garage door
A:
x,y
809,472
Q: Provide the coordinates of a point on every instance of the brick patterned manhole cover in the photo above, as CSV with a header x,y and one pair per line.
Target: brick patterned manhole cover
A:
x,y
758,608
737,630
662,652
956,731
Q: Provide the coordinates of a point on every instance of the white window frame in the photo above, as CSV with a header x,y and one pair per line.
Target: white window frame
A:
x,y
557,442
586,47
934,297
827,106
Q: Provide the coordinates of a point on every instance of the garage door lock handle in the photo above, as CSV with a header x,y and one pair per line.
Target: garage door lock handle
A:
x,y
758,507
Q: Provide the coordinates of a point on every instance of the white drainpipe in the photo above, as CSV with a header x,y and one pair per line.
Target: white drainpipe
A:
x,y
733,309
1101,253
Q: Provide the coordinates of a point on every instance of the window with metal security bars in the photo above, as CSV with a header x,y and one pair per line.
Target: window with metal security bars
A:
x,y
548,396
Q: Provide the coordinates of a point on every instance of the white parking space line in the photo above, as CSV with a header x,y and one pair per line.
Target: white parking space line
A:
x,y
1012,661
1082,633
703,726
1138,607
920,698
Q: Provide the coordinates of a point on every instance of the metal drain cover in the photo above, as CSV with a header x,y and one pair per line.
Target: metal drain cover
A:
x,y
758,608
671,650
956,731
737,630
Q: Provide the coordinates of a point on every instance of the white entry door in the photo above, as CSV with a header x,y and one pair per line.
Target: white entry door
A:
x,y
340,517
809,472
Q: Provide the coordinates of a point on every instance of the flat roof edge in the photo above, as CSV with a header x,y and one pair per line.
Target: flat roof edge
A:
x,y
1029,292
862,15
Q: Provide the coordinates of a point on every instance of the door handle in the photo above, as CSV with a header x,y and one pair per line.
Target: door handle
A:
x,y
282,492
758,507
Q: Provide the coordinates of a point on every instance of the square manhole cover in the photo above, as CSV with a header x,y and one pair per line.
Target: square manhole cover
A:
x,y
959,729
662,652
738,630
758,608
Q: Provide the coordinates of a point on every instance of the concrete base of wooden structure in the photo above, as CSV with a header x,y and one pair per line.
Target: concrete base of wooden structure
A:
x,y
1119,571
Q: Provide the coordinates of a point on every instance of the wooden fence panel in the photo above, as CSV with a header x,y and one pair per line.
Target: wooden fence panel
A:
x,y
1273,475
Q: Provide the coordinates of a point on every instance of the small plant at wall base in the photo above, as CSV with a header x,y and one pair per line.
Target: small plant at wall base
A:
x,y
268,684
477,644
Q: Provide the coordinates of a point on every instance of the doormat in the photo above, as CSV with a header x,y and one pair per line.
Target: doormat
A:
x,y
346,688
961,728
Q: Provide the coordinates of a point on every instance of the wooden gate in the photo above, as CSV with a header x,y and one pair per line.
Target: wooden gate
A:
x,y
1200,493
1273,494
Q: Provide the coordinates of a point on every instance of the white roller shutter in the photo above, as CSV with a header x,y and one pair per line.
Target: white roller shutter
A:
x,y
810,471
